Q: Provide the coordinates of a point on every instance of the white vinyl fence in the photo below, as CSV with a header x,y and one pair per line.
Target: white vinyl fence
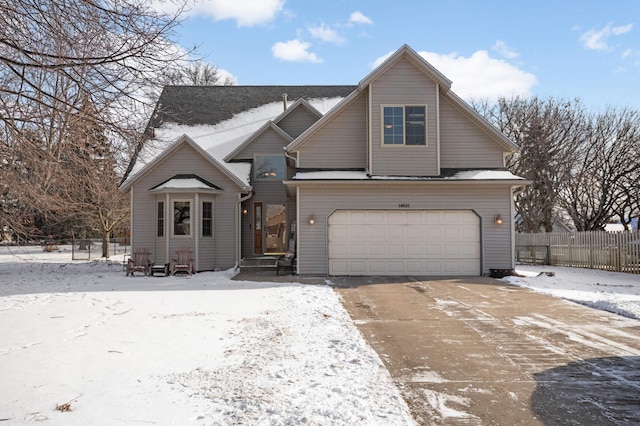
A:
x,y
619,251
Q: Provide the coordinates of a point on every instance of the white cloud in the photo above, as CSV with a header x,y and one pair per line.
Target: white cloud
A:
x,y
358,17
504,50
246,13
479,76
326,34
295,51
597,39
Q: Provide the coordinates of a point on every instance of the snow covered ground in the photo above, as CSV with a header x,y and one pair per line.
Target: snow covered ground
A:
x,y
205,349
608,291
179,350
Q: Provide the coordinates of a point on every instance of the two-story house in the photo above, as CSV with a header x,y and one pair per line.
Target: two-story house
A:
x,y
398,177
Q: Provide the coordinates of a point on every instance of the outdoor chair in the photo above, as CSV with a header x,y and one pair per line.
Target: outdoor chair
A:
x,y
286,261
140,261
182,261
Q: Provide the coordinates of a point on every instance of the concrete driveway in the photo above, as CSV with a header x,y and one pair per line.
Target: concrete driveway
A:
x,y
478,351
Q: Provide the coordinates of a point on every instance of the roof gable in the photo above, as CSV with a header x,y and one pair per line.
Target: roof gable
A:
x,y
413,57
444,90
184,139
268,126
298,104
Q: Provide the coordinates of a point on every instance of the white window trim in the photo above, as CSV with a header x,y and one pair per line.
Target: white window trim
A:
x,y
202,218
404,130
173,219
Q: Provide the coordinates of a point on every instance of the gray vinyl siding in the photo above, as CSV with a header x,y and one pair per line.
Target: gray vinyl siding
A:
x,y
247,229
143,221
404,84
297,122
268,142
342,143
219,253
486,201
463,143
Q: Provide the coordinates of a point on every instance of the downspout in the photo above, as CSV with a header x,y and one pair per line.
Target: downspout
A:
x,y
438,127
241,199
286,154
196,230
131,219
515,191
167,227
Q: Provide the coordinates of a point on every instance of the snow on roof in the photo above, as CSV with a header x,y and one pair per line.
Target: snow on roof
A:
x,y
486,175
190,183
362,175
222,138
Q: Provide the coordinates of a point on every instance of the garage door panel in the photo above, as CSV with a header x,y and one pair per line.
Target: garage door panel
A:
x,y
376,233
358,233
432,250
339,233
394,268
396,250
358,250
404,242
376,250
414,250
338,251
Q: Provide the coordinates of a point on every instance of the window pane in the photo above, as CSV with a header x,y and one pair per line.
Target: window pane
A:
x,y
415,125
181,218
270,167
160,221
207,219
393,128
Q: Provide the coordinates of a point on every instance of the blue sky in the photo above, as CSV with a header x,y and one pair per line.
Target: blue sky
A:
x,y
566,49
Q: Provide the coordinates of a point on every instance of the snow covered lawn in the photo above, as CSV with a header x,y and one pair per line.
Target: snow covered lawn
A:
x,y
179,350
609,291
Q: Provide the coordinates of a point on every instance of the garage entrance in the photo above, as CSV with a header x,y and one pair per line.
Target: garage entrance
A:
x,y
407,242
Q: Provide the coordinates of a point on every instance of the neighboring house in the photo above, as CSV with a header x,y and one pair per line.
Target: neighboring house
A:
x,y
399,177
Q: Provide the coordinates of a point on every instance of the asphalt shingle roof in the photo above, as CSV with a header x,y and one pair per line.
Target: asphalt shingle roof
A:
x,y
192,105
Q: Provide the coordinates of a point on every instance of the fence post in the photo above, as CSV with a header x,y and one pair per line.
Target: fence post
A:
x,y
547,261
619,254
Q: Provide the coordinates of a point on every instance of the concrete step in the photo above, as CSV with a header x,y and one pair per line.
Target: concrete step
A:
x,y
259,264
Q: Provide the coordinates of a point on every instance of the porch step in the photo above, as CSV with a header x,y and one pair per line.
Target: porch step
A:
x,y
259,264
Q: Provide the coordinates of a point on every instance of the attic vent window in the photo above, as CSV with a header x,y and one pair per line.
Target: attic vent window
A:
x,y
404,125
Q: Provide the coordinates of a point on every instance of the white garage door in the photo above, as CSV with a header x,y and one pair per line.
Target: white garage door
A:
x,y
422,242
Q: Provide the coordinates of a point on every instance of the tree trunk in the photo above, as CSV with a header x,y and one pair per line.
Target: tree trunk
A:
x,y
105,244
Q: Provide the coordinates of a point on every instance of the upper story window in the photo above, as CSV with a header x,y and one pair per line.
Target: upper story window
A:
x,y
404,125
269,167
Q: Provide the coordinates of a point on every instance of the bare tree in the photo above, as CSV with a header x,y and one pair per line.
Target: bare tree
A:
x,y
603,182
547,132
72,72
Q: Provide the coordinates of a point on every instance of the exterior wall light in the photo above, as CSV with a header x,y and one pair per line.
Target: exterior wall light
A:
x,y
312,220
498,220
245,211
